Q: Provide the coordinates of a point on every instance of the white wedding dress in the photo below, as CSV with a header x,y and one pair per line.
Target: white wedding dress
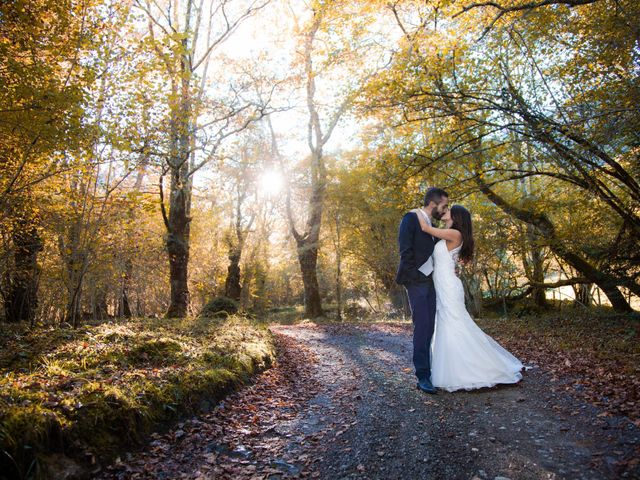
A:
x,y
463,357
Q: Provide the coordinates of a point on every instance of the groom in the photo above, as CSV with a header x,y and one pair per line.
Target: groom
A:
x,y
414,272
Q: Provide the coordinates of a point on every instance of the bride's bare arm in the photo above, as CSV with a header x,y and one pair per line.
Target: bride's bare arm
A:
x,y
449,234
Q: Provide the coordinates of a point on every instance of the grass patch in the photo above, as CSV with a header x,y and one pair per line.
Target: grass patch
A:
x,y
91,392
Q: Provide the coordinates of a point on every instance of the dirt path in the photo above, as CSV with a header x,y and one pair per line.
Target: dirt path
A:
x,y
342,403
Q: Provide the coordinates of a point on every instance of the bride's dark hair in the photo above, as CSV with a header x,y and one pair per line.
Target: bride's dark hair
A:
x,y
462,222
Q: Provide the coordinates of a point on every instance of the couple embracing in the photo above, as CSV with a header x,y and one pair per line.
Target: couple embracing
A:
x,y
449,350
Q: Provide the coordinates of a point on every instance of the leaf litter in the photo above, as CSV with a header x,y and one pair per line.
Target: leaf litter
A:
x,y
322,414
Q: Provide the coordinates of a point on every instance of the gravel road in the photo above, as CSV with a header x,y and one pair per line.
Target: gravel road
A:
x,y
342,403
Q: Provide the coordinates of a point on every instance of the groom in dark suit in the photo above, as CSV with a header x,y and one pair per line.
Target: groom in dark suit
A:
x,y
414,272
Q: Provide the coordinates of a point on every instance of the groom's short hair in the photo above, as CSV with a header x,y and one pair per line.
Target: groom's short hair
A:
x,y
434,194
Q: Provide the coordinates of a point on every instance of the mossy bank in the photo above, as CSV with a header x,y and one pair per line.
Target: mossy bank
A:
x,y
72,399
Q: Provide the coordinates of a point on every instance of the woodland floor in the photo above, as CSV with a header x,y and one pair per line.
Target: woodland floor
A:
x,y
341,402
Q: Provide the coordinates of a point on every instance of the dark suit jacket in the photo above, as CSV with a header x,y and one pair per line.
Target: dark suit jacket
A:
x,y
416,247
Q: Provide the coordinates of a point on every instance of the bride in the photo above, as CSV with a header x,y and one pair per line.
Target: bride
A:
x,y
463,356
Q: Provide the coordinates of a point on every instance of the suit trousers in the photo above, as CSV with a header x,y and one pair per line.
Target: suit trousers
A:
x,y
422,299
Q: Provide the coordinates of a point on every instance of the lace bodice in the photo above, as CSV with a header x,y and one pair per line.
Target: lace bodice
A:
x,y
445,259
455,253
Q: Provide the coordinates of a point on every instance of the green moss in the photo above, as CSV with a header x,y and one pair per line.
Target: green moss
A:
x,y
104,388
162,351
219,307
28,425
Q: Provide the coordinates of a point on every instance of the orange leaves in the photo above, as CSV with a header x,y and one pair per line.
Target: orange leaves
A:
x,y
596,358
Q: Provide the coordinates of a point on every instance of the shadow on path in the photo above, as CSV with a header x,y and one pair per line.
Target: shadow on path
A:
x,y
341,402
526,431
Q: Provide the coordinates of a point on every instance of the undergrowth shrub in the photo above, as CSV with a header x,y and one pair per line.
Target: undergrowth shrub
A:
x,y
219,307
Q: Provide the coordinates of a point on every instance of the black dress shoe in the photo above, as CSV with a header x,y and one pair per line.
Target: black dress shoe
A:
x,y
426,386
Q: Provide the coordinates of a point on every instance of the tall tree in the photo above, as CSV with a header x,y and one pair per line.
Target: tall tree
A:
x,y
242,172
184,36
42,83
318,135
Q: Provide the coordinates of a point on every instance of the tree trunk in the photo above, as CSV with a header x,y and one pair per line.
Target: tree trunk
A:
x,y
472,294
338,247
539,294
537,268
308,259
307,245
124,309
232,286
100,307
178,250
259,297
245,293
21,301
547,230
178,230
75,260
73,316
339,287
583,295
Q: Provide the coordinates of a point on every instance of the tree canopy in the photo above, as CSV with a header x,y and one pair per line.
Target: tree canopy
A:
x,y
158,155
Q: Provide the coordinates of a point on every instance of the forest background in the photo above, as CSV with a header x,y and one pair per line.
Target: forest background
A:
x,y
163,162
156,156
